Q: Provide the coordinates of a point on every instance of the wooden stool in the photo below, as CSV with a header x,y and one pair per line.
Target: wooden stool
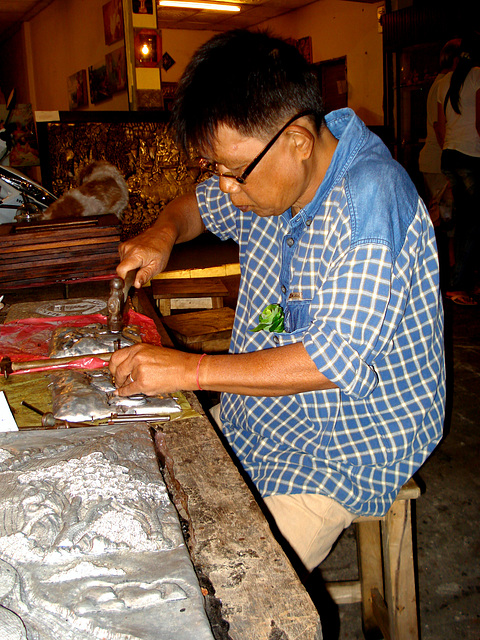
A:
x,y
386,585
202,331
188,293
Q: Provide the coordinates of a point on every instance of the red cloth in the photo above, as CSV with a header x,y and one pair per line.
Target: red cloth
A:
x,y
29,339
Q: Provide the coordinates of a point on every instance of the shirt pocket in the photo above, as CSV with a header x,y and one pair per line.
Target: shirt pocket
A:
x,y
297,316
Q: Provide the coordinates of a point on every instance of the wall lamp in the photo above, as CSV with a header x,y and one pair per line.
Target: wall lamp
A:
x,y
209,6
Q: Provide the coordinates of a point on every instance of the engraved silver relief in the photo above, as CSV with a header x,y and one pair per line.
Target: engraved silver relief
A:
x,y
90,544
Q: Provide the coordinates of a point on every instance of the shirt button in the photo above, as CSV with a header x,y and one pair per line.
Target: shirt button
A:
x,y
284,289
290,242
276,339
308,222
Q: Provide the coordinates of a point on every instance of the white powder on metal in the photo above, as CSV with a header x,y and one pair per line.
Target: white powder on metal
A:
x,y
5,455
94,476
85,569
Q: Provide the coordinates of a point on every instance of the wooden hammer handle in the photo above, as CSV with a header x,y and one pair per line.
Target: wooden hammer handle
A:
x,y
51,362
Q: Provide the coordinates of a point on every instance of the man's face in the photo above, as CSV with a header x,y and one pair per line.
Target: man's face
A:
x,y
275,184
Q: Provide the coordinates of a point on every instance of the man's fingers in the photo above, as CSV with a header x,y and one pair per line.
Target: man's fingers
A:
x,y
127,264
146,270
128,387
118,365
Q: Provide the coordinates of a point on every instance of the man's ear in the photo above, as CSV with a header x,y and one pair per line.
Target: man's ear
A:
x,y
303,141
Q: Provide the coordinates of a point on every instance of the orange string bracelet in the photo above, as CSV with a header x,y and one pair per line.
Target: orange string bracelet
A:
x,y
198,371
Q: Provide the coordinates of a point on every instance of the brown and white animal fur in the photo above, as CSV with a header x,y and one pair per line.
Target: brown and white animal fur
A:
x,y
102,189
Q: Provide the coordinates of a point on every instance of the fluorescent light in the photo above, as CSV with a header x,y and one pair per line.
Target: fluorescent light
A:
x,y
209,6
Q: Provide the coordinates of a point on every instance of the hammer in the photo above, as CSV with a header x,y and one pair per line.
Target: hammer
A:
x,y
116,304
8,367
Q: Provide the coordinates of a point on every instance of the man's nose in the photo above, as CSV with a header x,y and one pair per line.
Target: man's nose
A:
x,y
228,185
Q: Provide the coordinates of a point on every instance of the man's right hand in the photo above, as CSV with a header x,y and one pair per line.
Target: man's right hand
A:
x,y
149,252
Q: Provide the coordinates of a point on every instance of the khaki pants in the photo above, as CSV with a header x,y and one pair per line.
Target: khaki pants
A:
x,y
310,523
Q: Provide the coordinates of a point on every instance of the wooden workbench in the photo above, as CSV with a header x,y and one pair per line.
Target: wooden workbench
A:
x,y
251,590
230,540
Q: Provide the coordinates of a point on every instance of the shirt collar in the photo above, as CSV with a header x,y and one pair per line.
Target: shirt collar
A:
x,y
352,135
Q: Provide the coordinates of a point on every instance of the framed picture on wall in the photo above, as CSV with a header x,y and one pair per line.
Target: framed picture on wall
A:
x,y
168,92
304,45
77,90
98,81
116,70
113,21
142,6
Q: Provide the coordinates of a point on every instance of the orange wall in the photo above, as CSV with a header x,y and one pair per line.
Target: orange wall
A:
x,y
342,28
180,44
68,36
65,37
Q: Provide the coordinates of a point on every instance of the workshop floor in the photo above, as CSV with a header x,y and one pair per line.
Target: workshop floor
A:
x,y
447,513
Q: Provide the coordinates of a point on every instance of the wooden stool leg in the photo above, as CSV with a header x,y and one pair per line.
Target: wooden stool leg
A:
x,y
164,304
370,571
399,572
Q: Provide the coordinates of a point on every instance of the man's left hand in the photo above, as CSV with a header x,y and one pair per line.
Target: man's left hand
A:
x,y
152,370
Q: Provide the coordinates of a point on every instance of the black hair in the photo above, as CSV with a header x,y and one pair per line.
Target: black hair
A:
x,y
247,80
450,51
469,57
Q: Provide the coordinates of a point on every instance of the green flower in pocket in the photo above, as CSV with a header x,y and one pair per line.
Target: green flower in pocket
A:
x,y
271,319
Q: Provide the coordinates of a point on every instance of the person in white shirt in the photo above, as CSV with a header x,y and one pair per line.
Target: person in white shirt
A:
x,y
438,194
458,131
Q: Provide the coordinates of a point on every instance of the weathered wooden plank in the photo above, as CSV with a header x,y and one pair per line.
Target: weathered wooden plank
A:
x,y
231,541
25,260
83,272
52,245
80,232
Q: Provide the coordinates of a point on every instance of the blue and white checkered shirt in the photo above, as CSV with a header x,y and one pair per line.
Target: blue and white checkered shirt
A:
x,y
356,272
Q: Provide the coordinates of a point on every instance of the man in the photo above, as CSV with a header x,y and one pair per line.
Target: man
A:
x,y
332,413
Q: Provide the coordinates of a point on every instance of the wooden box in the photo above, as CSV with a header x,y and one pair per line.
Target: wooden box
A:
x,y
46,252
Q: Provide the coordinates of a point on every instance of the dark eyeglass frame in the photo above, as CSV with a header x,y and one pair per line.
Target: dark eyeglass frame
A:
x,y
212,166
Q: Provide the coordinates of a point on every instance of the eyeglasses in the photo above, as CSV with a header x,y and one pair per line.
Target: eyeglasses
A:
x,y
212,167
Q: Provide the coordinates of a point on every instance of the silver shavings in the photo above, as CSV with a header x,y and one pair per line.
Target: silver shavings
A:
x,y
90,339
79,396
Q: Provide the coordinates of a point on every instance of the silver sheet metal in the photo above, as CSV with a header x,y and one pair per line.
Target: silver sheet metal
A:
x,y
91,339
79,396
90,545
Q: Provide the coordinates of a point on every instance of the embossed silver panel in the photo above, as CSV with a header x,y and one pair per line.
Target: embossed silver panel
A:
x,y
90,544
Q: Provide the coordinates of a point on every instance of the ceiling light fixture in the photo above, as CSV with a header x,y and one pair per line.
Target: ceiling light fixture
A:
x,y
209,6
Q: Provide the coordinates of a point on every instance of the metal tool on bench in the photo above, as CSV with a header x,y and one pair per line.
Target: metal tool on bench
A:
x,y
117,418
116,305
50,422
8,367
